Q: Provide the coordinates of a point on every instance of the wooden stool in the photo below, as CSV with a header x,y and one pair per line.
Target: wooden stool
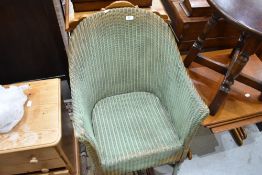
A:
x,y
247,15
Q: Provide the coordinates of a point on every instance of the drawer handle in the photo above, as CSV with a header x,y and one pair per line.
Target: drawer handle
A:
x,y
33,160
45,170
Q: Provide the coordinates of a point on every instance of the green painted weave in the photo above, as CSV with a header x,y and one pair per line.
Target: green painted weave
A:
x,y
110,56
134,130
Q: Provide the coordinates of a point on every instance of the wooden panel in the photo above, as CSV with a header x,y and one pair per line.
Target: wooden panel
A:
x,y
237,106
31,44
27,167
41,123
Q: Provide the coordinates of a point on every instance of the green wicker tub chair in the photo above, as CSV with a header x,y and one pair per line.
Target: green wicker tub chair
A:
x,y
134,106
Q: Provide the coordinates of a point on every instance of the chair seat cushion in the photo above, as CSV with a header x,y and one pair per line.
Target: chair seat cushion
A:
x,y
133,131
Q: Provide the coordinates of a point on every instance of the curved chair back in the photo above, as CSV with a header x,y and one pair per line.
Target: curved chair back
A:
x,y
121,50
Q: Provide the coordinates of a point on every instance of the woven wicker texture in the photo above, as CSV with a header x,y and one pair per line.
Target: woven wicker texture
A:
x,y
109,56
147,134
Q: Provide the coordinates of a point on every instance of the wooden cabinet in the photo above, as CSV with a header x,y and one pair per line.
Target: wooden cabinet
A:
x,y
242,106
188,20
43,141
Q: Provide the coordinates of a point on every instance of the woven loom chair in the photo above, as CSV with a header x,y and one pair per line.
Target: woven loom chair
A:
x,y
134,105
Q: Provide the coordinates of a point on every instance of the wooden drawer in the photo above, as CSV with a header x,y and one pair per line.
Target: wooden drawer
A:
x,y
27,167
30,161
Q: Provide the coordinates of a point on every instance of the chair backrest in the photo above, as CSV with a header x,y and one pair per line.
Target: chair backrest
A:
x,y
119,51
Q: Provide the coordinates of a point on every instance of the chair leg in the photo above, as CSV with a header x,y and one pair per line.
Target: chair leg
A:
x,y
198,44
176,168
150,171
189,154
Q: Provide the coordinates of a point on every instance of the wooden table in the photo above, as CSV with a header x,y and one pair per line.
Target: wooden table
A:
x,y
43,141
79,16
248,43
241,107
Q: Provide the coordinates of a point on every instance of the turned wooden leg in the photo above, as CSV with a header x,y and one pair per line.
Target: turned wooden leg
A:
x,y
198,44
240,43
234,69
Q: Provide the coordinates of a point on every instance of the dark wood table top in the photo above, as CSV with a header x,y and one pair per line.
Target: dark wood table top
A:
x,y
246,13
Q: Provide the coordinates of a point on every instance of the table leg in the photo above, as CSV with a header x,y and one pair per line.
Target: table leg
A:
x,y
234,69
260,97
242,133
259,125
240,43
236,137
239,135
198,44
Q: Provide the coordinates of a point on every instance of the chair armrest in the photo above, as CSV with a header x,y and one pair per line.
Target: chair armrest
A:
x,y
82,108
81,119
183,103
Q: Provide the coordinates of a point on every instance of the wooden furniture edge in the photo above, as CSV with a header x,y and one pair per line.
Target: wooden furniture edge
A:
x,y
226,121
67,15
71,25
234,125
59,136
